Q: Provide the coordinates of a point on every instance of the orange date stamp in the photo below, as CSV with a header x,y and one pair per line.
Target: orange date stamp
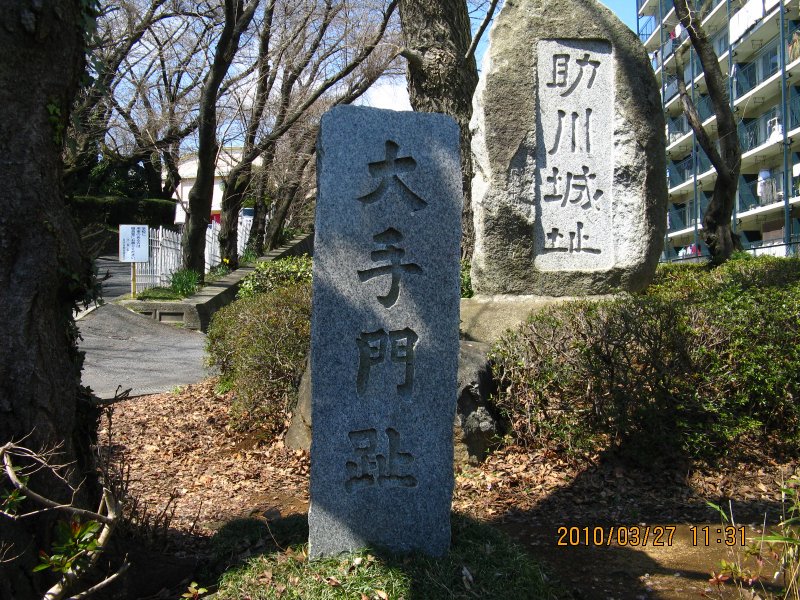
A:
x,y
627,535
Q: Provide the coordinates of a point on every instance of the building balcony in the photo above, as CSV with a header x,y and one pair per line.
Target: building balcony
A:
x,y
758,131
683,218
680,218
681,172
677,127
647,27
758,193
646,7
748,76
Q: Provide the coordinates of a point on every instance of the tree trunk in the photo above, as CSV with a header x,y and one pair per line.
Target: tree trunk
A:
x,y
42,268
232,199
727,161
717,232
437,37
237,19
152,168
173,178
283,202
255,241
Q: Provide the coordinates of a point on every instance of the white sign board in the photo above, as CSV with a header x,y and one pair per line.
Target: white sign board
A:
x,y
134,243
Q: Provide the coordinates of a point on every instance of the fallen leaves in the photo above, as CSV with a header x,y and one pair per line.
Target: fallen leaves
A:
x,y
181,441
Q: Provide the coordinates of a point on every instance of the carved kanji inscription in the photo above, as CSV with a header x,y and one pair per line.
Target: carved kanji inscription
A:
x,y
372,347
374,466
388,172
574,199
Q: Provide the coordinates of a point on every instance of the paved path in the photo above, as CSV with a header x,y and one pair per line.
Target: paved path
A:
x,y
119,283
123,348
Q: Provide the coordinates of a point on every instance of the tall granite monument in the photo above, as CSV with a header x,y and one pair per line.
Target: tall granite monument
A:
x,y
570,189
384,332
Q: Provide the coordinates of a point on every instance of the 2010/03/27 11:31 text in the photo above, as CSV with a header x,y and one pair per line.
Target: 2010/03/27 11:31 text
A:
x,y
630,535
655,535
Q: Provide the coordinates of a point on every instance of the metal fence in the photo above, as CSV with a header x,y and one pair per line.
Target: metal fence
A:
x,y
761,248
165,254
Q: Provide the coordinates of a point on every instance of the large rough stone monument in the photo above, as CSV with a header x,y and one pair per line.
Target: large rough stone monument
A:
x,y
384,332
570,189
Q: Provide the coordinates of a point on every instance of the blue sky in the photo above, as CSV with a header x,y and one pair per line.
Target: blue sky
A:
x,y
624,9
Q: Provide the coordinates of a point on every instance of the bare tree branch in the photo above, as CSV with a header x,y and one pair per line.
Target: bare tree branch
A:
x,y
484,24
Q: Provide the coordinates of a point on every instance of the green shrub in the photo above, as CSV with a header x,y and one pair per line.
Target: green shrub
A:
x,y
218,271
287,235
260,344
114,210
248,256
273,274
702,359
185,282
466,279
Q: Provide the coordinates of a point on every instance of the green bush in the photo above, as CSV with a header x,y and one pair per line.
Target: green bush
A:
x,y
287,235
185,282
260,344
466,279
703,359
248,256
273,274
113,211
218,271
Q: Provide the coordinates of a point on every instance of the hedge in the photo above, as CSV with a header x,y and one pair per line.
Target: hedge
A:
x,y
259,345
113,211
703,363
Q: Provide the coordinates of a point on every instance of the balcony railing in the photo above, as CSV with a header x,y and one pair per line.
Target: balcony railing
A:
x,y
646,27
699,4
676,218
746,78
748,198
692,70
671,89
704,107
753,194
794,113
752,134
677,128
703,162
680,172
668,49
680,217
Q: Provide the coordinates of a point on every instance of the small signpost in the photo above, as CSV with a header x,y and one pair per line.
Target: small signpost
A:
x,y
134,246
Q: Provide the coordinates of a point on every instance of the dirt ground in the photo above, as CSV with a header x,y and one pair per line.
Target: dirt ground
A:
x,y
601,530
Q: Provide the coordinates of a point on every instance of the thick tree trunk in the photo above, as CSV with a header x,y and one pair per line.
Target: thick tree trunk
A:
x,y
717,232
42,268
437,36
152,174
173,177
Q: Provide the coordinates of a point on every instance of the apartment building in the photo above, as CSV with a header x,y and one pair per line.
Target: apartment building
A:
x,y
758,45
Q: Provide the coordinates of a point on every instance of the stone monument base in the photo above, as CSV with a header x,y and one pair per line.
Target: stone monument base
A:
x,y
486,318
